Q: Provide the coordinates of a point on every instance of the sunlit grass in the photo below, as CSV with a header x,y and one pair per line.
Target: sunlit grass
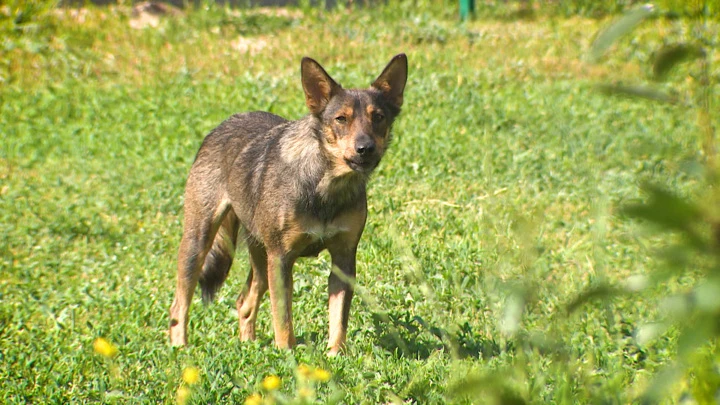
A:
x,y
494,208
224,44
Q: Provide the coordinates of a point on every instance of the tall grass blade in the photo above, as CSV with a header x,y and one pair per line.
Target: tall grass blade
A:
x,y
665,209
622,26
601,291
644,92
670,213
669,56
486,387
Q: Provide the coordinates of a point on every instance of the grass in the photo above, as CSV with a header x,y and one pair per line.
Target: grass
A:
x,y
494,209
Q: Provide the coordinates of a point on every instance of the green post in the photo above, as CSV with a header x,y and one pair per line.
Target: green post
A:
x,y
467,7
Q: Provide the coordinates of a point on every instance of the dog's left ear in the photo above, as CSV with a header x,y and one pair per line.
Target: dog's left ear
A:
x,y
391,81
319,87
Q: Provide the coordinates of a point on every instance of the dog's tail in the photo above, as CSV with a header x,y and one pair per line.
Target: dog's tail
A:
x,y
219,258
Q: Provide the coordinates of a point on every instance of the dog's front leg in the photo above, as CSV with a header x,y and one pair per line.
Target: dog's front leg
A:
x,y
340,291
280,281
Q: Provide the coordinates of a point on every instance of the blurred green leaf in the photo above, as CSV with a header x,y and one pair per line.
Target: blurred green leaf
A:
x,y
699,333
620,27
484,386
645,92
707,296
670,212
660,385
676,306
601,291
513,312
648,332
636,283
546,345
678,257
671,55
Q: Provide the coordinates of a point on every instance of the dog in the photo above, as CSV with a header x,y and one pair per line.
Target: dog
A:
x,y
291,189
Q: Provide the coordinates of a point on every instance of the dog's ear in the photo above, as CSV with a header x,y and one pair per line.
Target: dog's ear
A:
x,y
391,81
319,87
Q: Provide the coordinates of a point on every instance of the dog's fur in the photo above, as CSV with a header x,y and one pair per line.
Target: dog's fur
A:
x,y
291,189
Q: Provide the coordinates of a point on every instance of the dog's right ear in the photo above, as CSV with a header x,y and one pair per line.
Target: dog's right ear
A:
x,y
319,87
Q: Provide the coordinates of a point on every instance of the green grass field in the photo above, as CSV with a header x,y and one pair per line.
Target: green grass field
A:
x,y
495,208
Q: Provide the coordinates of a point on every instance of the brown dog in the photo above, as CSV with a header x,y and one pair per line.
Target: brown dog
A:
x,y
293,189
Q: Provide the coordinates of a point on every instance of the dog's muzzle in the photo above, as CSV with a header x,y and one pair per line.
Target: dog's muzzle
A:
x,y
362,164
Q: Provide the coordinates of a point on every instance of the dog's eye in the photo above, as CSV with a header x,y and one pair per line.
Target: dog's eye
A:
x,y
377,117
341,119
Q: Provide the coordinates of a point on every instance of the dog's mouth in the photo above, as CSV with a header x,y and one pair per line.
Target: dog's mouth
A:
x,y
361,165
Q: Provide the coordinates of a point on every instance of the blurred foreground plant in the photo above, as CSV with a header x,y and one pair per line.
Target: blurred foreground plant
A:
x,y
695,221
695,255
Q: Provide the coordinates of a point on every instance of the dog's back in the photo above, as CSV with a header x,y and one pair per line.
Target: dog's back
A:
x,y
240,140
234,134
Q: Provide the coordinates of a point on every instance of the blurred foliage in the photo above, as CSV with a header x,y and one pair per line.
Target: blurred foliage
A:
x,y
591,8
694,220
18,17
694,314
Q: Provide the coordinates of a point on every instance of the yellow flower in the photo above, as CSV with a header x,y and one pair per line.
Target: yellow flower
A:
x,y
104,348
321,375
183,393
191,375
305,392
271,383
304,370
254,399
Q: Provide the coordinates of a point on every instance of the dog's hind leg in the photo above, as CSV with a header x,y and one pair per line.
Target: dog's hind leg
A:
x,y
255,288
203,217
220,257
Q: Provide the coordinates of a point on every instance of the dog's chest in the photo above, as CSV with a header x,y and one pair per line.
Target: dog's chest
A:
x,y
318,231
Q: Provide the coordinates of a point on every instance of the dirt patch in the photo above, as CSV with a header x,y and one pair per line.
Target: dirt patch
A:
x,y
249,45
149,13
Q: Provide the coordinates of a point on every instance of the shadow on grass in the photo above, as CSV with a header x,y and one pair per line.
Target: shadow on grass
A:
x,y
411,336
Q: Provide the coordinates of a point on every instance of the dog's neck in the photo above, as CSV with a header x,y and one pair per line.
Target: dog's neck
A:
x,y
326,184
343,187
338,181
334,195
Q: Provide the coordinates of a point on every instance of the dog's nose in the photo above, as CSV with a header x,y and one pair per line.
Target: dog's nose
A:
x,y
364,145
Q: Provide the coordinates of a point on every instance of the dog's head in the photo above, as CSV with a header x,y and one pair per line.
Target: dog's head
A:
x,y
356,123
